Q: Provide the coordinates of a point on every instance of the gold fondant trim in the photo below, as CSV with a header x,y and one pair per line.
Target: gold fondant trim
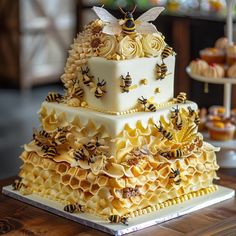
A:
x,y
158,106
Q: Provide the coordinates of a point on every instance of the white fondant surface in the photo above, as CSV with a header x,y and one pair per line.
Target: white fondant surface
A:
x,y
136,223
114,124
139,69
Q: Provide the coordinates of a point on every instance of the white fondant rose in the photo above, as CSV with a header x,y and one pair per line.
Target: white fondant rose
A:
x,y
108,47
130,48
153,44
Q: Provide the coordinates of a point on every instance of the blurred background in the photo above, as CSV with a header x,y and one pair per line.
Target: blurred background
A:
x,y
35,36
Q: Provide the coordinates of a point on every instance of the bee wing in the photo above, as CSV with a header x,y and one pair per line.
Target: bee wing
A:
x,y
146,28
112,28
104,15
99,90
151,14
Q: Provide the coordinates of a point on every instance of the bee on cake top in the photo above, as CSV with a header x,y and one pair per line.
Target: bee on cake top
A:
x,y
128,25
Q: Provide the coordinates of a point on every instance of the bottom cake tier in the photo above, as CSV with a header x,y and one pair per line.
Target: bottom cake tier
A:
x,y
145,166
103,195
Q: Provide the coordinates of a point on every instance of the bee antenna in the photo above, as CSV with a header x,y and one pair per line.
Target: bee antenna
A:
x,y
122,11
134,9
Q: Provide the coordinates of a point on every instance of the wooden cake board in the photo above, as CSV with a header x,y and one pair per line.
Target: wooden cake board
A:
x,y
136,223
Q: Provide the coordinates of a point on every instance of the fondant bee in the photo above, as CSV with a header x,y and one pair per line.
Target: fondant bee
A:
x,y
161,71
17,185
172,154
54,97
49,151
92,146
168,51
190,111
176,176
181,98
60,138
165,133
118,219
71,208
95,144
78,92
176,117
175,112
147,106
92,159
87,80
197,119
40,137
178,122
100,91
128,25
80,154
126,83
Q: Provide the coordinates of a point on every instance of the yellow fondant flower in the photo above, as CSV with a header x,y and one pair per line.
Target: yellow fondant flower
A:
x,y
108,47
153,44
130,47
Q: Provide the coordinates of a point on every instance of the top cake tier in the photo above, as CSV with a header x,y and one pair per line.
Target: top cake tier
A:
x,y
139,73
119,71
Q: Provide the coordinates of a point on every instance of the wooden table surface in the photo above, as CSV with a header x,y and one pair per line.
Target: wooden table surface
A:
x,y
18,218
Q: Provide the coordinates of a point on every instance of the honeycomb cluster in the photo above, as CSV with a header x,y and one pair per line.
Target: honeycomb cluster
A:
x,y
103,195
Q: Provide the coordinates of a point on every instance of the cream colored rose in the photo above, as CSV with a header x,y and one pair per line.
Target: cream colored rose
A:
x,y
130,47
108,47
153,44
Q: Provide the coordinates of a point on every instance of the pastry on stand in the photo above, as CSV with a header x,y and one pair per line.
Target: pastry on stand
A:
x,y
221,127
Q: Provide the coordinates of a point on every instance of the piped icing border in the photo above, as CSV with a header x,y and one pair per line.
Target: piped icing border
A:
x,y
173,201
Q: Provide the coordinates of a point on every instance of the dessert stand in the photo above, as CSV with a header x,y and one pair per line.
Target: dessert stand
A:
x,y
227,156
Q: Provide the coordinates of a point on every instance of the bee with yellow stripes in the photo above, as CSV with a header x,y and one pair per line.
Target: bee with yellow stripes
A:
x,y
17,185
54,97
49,151
100,90
128,25
161,71
146,105
126,83
118,219
176,176
181,98
60,138
168,51
177,153
40,137
166,134
87,80
72,208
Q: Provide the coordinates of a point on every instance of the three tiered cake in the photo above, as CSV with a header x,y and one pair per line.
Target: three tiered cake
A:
x,y
117,144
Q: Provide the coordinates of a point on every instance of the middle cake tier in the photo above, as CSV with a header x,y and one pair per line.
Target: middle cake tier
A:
x,y
173,125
